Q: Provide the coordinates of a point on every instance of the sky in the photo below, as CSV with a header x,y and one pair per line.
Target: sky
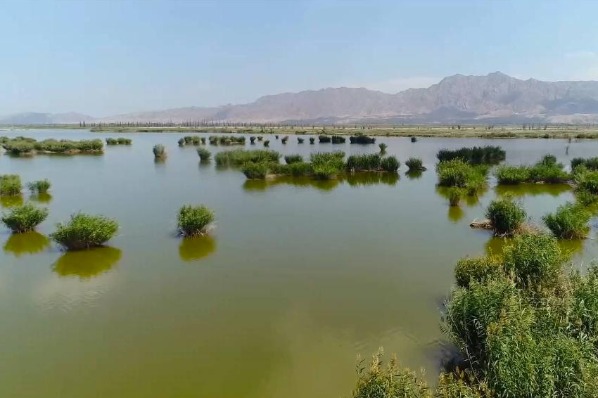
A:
x,y
109,57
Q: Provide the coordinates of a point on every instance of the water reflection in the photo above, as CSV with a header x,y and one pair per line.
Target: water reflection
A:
x,y
87,264
569,247
370,178
414,174
455,214
262,185
196,248
532,189
11,201
42,197
26,243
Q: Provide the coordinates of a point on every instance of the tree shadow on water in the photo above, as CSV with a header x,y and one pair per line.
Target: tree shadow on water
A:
x,y
197,247
87,264
26,243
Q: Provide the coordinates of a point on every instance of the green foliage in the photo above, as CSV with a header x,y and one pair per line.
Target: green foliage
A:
x,y
534,260
194,220
362,139
312,140
324,139
455,195
10,185
84,231
415,164
476,155
204,154
388,381
547,170
511,175
159,151
382,147
29,146
256,171
457,173
293,159
266,143
505,215
39,187
120,141
369,162
476,269
225,140
300,140
239,157
589,164
327,165
570,221
24,218
338,139
390,164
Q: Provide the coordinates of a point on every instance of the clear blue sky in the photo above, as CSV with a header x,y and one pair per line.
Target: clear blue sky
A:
x,y
107,57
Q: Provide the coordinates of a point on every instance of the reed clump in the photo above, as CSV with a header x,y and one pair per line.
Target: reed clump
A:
x,y
194,220
24,218
84,231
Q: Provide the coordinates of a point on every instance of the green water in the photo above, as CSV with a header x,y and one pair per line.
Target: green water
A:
x,y
296,280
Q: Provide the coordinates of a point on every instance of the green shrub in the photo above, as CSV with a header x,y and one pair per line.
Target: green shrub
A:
x,y
204,154
455,194
24,218
475,155
252,140
84,231
17,147
10,185
293,159
390,164
256,171
39,187
415,164
312,140
476,269
569,222
338,139
456,173
239,157
534,260
194,220
511,175
300,140
266,143
159,151
382,147
370,162
324,139
284,139
362,139
111,141
589,164
326,171
505,215
388,381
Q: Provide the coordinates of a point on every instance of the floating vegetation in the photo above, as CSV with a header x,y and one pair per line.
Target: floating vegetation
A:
x,y
477,155
194,220
84,231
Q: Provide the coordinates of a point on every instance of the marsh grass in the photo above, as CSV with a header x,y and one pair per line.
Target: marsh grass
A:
x,y
547,170
362,139
204,154
194,220
293,159
239,157
84,231
382,147
477,155
10,185
506,216
24,218
390,164
455,195
457,173
312,140
39,187
415,164
570,221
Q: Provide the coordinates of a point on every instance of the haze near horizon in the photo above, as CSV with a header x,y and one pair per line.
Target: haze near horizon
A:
x,y
101,58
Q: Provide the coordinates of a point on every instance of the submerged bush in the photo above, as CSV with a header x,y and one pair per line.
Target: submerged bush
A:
x,y
362,139
505,215
382,147
204,154
569,222
390,164
39,187
293,159
194,220
84,231
24,218
455,195
159,151
10,185
476,155
415,164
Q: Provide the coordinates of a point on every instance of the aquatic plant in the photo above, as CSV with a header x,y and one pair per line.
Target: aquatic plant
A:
x,y
362,139
239,157
84,231
194,220
284,139
181,142
338,139
24,218
300,140
312,140
10,185
390,164
505,215
415,164
457,173
511,175
159,151
589,164
324,139
366,162
476,269
39,187
293,159
252,140
570,221
204,154
547,170
476,155
267,143
455,195
413,139
382,147
256,171
118,141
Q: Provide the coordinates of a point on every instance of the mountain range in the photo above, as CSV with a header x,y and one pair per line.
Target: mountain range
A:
x,y
494,98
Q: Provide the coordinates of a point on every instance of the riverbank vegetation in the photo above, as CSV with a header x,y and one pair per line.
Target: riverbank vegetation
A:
x,y
24,218
10,185
194,220
524,327
23,146
84,231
